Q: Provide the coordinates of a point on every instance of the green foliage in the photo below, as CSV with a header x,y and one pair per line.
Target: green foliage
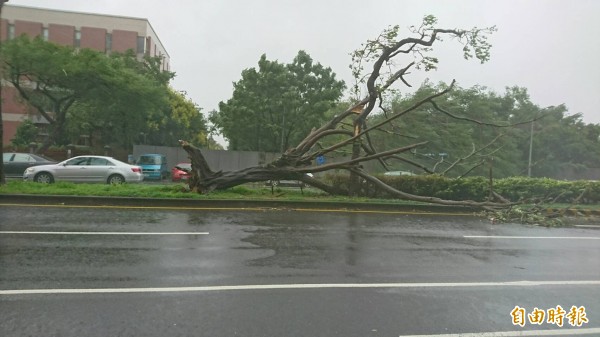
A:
x,y
418,48
516,189
561,143
83,90
178,191
26,133
275,106
183,119
543,189
475,188
137,101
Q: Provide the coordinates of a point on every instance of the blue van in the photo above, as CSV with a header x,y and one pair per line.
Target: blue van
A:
x,y
154,166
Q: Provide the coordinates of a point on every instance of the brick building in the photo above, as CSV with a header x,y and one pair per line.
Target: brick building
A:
x,y
105,33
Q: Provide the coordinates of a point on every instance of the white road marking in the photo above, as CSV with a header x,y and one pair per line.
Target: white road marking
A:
x,y
588,226
556,332
299,286
532,237
104,233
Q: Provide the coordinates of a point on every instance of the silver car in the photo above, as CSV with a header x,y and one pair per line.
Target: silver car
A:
x,y
86,169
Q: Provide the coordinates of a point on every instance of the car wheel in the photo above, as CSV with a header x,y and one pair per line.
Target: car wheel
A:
x,y
44,178
115,179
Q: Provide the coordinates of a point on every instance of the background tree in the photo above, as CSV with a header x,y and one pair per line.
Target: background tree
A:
x,y
558,142
115,93
562,143
178,117
182,119
455,146
26,133
277,104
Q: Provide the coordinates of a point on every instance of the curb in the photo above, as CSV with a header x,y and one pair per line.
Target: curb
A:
x,y
226,203
66,200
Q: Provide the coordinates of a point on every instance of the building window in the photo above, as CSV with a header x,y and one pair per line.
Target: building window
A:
x,y
11,31
45,33
108,42
141,42
77,40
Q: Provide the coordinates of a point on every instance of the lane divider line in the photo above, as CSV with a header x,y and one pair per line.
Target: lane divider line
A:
x,y
299,286
555,332
588,226
532,237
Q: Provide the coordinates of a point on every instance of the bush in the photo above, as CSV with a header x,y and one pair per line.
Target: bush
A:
x,y
26,133
478,189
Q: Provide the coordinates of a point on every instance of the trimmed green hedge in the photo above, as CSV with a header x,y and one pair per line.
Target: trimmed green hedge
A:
x,y
477,188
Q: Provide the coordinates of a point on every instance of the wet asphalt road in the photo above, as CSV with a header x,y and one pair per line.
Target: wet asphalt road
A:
x,y
144,272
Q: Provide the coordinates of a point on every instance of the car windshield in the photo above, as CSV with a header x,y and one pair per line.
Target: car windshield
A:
x,y
149,160
184,166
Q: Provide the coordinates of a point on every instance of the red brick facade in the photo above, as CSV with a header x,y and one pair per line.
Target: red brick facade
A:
x,y
13,111
123,40
61,34
28,28
4,28
93,38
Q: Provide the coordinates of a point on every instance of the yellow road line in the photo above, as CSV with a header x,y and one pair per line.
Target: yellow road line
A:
x,y
251,209
379,212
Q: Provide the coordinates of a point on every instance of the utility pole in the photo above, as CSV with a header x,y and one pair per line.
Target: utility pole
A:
x,y
530,150
283,129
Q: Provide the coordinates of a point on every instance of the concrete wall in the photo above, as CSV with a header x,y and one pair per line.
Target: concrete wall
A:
x,y
217,159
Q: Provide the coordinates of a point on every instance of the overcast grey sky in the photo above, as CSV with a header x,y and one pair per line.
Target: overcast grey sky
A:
x,y
548,46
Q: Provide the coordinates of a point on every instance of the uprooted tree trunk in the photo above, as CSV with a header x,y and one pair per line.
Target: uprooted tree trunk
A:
x,y
296,162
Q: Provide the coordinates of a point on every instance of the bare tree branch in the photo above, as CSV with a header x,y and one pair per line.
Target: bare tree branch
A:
x,y
473,152
437,107
358,160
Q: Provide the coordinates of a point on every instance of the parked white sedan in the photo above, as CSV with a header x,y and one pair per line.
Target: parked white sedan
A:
x,y
86,169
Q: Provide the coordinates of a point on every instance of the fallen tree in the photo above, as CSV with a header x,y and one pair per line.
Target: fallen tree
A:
x,y
349,127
